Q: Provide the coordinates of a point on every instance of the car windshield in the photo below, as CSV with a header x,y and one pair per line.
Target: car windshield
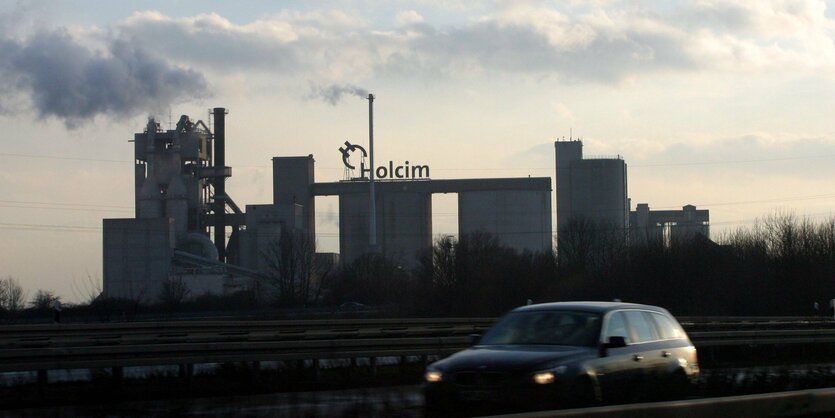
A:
x,y
545,327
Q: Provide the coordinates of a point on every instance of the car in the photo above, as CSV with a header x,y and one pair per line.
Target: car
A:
x,y
566,354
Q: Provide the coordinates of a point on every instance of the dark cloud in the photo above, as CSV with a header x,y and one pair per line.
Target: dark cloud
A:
x,y
67,80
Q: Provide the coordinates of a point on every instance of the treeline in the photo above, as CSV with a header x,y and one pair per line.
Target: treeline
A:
x,y
781,265
14,301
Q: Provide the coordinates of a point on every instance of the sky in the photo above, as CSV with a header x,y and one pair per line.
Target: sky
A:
x,y
726,105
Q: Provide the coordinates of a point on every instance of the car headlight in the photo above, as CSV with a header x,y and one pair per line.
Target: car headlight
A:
x,y
433,376
548,376
543,378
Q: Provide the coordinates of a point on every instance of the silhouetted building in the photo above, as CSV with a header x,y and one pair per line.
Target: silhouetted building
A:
x,y
668,225
188,228
591,188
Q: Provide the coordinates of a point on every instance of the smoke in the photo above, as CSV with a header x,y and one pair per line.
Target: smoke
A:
x,y
333,93
64,79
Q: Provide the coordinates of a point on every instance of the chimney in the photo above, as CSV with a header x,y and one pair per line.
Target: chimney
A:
x,y
220,181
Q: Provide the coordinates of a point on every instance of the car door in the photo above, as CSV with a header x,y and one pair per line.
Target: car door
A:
x,y
616,369
674,350
647,355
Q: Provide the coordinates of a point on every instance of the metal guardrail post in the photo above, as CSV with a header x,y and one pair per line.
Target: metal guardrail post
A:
x,y
43,381
403,363
186,371
118,375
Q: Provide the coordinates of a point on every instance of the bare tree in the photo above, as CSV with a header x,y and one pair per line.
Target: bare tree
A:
x,y
88,291
590,245
12,297
324,269
43,300
291,267
441,264
173,292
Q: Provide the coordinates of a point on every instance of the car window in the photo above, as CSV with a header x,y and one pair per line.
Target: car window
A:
x,y
617,327
667,327
545,327
642,328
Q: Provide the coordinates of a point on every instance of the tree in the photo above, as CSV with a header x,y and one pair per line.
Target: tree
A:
x,y
89,291
12,297
43,300
477,275
587,245
173,292
291,268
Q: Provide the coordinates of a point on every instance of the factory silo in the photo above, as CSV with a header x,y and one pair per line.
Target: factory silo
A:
x,y
567,152
598,189
592,189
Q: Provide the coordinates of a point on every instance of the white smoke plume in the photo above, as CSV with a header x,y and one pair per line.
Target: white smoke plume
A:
x,y
333,93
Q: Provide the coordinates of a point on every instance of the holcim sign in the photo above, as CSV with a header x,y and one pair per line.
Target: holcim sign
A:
x,y
390,171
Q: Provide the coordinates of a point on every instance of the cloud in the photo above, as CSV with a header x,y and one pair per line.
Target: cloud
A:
x,y
64,79
329,45
765,19
604,42
210,39
408,17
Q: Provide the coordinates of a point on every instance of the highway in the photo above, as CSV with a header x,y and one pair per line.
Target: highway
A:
x,y
728,349
118,345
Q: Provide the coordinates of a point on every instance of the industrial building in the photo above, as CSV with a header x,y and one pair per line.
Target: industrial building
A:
x,y
181,201
516,210
188,228
590,188
595,189
666,226
184,214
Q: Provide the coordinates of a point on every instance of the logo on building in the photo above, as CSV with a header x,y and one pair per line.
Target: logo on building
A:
x,y
349,148
390,171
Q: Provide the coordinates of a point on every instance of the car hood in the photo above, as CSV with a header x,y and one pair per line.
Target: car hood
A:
x,y
513,358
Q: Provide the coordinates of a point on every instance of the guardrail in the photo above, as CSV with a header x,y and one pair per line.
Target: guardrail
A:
x,y
71,346
805,403
57,346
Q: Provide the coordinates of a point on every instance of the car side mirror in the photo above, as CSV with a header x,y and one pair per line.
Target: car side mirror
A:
x,y
614,341
475,338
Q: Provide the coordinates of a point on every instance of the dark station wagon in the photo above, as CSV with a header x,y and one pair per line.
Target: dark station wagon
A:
x,y
566,354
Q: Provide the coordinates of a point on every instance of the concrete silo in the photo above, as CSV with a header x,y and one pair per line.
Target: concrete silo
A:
x,y
592,189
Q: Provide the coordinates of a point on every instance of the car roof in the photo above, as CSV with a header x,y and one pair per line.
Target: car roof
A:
x,y
597,307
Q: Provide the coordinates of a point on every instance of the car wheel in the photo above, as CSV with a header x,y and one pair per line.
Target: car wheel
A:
x,y
436,409
584,394
678,386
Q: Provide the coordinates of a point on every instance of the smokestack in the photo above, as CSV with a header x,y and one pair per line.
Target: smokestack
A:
x,y
220,181
372,229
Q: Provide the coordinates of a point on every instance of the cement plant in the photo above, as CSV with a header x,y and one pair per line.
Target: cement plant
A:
x,y
188,228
